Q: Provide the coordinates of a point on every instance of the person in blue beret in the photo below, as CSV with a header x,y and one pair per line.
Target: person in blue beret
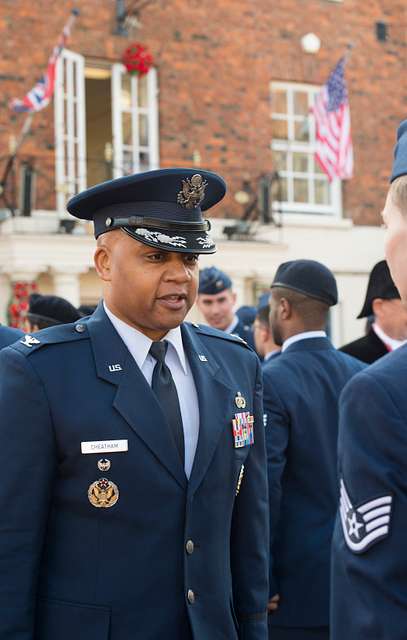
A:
x,y
369,563
301,395
134,484
216,301
266,348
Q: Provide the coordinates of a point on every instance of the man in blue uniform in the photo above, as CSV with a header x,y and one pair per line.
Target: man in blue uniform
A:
x,y
8,335
369,565
263,337
134,489
301,392
216,301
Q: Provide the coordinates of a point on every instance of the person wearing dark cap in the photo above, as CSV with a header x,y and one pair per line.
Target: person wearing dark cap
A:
x,y
8,335
301,393
369,563
263,338
216,301
143,514
48,311
388,330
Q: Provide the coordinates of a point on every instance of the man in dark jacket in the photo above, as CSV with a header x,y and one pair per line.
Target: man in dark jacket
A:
x,y
301,392
388,331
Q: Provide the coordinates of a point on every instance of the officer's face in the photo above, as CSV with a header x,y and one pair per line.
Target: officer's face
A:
x,y
217,309
396,244
148,288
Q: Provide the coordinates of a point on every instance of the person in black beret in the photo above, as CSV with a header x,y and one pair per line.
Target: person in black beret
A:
x,y
135,442
301,392
388,331
369,563
216,301
48,311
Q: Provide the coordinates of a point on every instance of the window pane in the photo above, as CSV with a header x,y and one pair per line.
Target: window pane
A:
x,y
279,160
126,91
322,192
127,162
144,161
281,194
300,190
142,91
279,101
300,162
127,129
280,129
301,103
301,130
317,167
143,130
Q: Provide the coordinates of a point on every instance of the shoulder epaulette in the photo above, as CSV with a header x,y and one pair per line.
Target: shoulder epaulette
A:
x,y
216,333
30,343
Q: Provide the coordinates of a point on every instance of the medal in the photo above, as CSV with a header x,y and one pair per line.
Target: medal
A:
x,y
103,493
104,464
240,401
243,433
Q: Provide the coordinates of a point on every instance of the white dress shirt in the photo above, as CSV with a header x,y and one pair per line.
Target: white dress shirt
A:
x,y
302,336
139,346
232,325
390,343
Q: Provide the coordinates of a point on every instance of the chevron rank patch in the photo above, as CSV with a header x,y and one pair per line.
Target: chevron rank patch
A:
x,y
366,524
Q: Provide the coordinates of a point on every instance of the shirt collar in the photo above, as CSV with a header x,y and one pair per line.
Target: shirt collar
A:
x,y
302,336
270,353
139,344
232,325
391,343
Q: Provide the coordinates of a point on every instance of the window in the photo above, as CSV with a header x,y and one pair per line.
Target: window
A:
x,y
304,188
106,124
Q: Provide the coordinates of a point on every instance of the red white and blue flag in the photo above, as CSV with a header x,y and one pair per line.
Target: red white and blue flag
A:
x,y
42,92
334,151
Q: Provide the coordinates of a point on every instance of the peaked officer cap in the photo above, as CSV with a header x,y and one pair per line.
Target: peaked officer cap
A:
x,y
51,309
400,153
309,277
160,208
212,280
380,285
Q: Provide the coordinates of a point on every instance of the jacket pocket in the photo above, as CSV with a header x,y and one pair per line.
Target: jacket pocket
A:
x,y
64,620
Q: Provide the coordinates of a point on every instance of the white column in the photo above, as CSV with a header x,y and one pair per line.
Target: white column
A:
x,y
67,283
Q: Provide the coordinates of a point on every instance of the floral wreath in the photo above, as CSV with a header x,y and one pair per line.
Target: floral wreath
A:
x,y
19,303
137,59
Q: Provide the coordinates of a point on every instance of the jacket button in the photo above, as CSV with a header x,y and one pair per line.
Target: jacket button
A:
x,y
191,596
80,328
190,547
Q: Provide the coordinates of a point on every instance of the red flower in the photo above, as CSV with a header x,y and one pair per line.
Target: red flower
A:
x,y
137,59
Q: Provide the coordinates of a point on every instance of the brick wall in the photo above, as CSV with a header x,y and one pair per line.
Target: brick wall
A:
x,y
215,61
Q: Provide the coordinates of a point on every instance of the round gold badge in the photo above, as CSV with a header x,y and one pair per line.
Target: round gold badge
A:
x,y
240,401
103,493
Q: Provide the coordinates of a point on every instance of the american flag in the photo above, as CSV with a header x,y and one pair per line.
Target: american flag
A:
x,y
334,151
42,92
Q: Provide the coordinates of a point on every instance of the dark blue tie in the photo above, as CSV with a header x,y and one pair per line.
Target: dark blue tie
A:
x,y
164,388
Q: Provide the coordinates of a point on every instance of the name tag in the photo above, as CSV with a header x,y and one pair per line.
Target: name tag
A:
x,y
99,446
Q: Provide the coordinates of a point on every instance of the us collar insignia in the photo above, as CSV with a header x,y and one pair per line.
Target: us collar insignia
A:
x,y
243,433
29,341
103,493
193,191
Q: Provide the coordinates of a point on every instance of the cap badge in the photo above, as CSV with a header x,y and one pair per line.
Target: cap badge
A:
x,y
103,493
104,464
240,401
193,191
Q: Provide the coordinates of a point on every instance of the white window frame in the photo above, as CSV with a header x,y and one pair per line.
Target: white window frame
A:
x,y
70,127
151,112
335,208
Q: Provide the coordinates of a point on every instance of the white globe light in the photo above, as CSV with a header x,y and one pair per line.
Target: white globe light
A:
x,y
310,43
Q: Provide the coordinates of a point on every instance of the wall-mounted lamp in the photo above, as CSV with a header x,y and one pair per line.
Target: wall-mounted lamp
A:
x,y
310,43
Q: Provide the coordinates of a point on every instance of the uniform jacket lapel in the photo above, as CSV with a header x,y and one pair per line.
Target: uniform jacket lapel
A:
x,y
215,396
134,399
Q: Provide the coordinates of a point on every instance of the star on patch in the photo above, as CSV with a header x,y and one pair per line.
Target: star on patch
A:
x,y
366,524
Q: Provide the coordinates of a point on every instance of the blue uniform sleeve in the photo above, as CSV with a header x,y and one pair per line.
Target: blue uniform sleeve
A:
x,y
369,563
27,459
250,535
277,436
